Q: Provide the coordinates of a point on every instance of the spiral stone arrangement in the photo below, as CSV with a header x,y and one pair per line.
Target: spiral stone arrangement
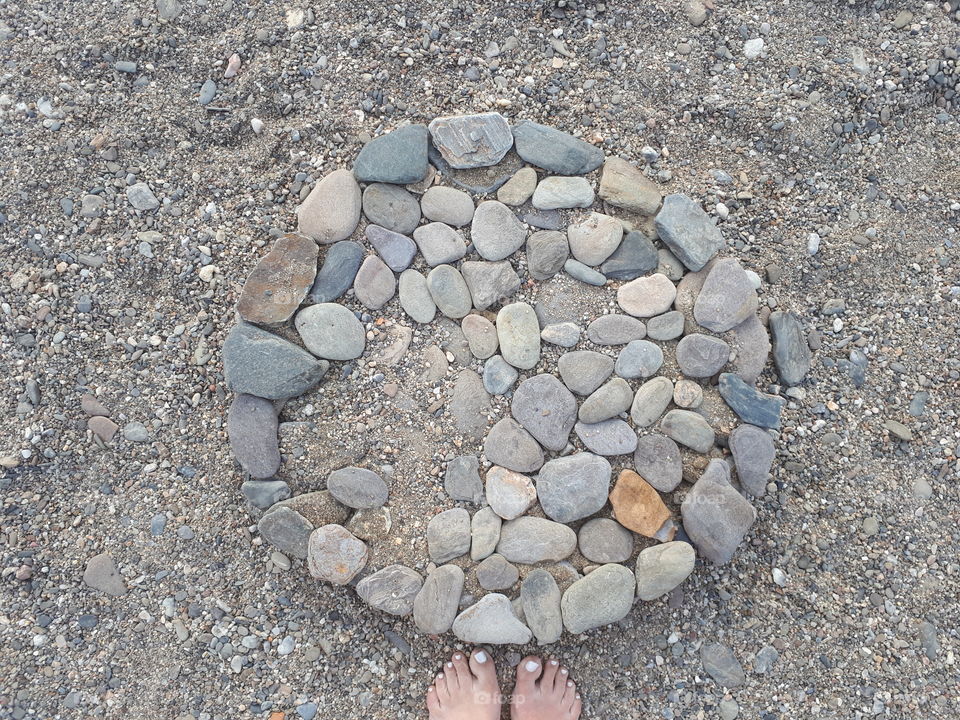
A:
x,y
544,496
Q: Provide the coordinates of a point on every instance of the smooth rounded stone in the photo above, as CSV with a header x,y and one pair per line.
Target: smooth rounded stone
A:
x,y
574,486
415,297
396,250
375,283
141,197
336,275
753,453
663,567
462,479
563,192
540,598
565,334
484,533
751,405
606,402
491,622
651,401
554,150
601,597
751,344
640,358
715,515
791,353
603,540
448,535
481,334
252,429
510,494
335,554
657,460
398,157
101,573
259,363
518,331
607,437
392,589
470,141
331,331
595,239
490,283
449,291
668,326
546,409
331,211
439,243
615,329
530,540
687,394
498,375
264,493
623,185
435,606
357,488
638,507
469,404
447,205
636,256
509,445
727,297
495,573
391,207
287,530
496,232
722,665
547,251
688,231
583,371
585,274
647,296
689,429
702,356
518,189
278,284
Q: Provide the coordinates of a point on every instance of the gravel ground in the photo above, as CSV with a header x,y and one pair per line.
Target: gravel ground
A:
x,y
831,158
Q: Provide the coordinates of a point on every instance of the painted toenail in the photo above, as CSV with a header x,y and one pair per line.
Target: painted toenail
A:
x,y
440,676
480,657
577,695
430,689
449,664
563,672
531,665
569,683
553,662
458,656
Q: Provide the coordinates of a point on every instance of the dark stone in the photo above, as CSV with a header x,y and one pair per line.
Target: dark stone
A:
x,y
751,405
259,363
636,256
554,150
399,157
340,266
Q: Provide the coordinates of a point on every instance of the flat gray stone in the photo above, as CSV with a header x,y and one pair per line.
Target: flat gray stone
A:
x,y
603,540
615,329
722,665
484,533
663,567
636,256
557,192
398,157
540,597
336,275
606,402
751,343
335,554
495,573
392,589
481,334
415,297
727,297
462,479
331,212
396,250
435,606
565,334
658,461
331,331
287,530
498,375
496,232
375,284
391,207
448,535
509,445
608,437
470,141
555,151
439,243
791,353
668,326
101,574
574,486
519,188
530,540
318,508
688,231
647,296
469,404
447,205
753,452
259,363
639,359
689,429
584,273
651,401
546,409
601,597
519,333
547,251
449,291
702,356
594,239
252,429
357,488
490,283
751,405
509,493
141,197
715,515
623,185
491,621
264,493
583,371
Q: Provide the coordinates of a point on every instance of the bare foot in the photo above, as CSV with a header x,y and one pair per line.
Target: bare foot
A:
x,y
544,693
465,690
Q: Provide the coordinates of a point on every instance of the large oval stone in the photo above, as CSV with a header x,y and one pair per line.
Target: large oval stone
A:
x,y
519,333
331,331
331,211
601,597
546,409
573,487
529,540
392,589
496,232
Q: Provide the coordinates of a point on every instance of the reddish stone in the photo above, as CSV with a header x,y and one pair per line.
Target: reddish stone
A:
x,y
638,507
280,281
103,427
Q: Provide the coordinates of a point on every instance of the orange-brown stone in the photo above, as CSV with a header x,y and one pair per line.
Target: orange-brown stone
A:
x,y
638,507
280,281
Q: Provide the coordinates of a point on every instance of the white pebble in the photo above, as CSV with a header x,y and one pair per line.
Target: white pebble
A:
x,y
723,212
813,243
754,279
753,48
207,272
779,577
257,125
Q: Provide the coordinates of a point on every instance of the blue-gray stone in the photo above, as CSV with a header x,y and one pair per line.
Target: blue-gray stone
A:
x,y
336,276
554,150
688,231
751,405
397,250
264,493
584,273
259,363
636,256
207,92
498,375
791,354
640,358
399,157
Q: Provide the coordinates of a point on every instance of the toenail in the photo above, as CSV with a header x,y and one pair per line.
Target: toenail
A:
x,y
553,662
480,657
458,656
569,683
440,676
449,664
531,665
577,695
563,672
430,689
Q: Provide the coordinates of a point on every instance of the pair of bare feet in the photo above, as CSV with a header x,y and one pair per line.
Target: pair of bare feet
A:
x,y
467,689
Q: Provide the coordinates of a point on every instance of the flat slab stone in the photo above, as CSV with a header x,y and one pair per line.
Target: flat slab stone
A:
x,y
519,188
546,409
491,621
688,231
540,597
495,573
547,251
751,343
335,554
657,460
484,533
601,597
606,402
392,207
336,275
715,515
509,445
252,429
331,331
702,356
727,297
519,333
751,405
583,371
636,256
495,231
791,353
722,665
651,401
462,479
638,506
396,250
668,326
439,243
470,141
663,567
615,329
530,540
435,606
625,186
688,428
753,453
574,486
399,157
543,219
447,205
392,589
555,151
499,375
639,358
287,530
603,540
595,239
279,283
490,283
509,493
607,437
415,297
647,296
331,211
557,192
375,284
448,535
259,363
101,574
357,488
469,404
264,493
481,180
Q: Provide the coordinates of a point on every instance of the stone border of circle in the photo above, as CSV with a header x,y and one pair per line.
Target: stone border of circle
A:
x,y
712,309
